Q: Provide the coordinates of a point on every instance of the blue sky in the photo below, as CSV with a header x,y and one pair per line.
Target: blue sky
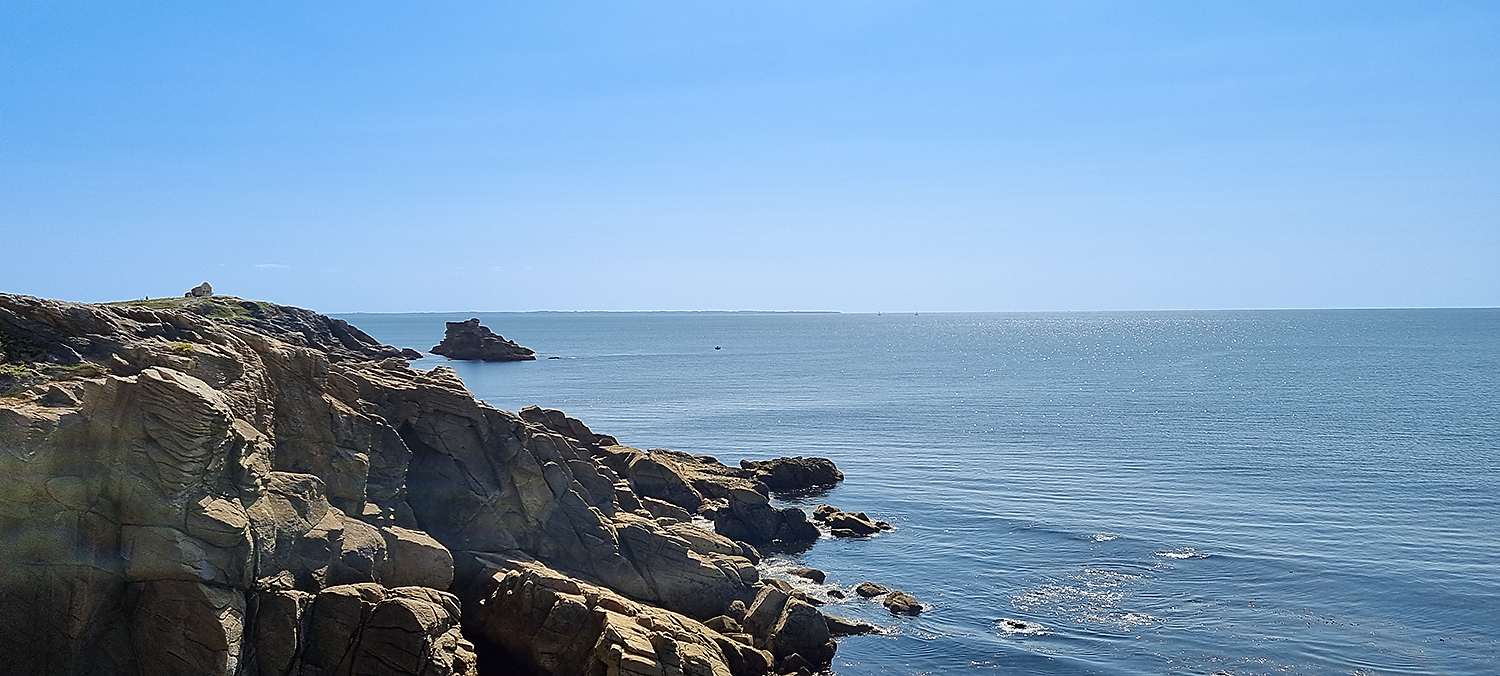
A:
x,y
853,156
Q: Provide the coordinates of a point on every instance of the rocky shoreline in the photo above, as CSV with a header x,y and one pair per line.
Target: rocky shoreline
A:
x,y
209,485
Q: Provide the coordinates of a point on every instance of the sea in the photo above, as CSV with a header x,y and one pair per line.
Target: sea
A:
x,y
1186,492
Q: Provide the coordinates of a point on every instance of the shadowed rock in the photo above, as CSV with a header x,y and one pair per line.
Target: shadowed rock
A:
x,y
788,475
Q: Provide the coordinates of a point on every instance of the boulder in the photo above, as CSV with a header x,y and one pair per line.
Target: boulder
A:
x,y
801,630
369,629
415,559
751,518
870,590
467,340
901,603
765,612
201,291
724,624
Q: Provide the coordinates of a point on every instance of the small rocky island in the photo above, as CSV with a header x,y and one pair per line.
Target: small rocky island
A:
x,y
468,340
215,486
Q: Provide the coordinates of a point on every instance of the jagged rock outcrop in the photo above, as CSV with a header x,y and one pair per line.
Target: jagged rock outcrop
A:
x,y
549,623
219,486
359,629
469,340
734,498
750,517
559,422
790,626
789,475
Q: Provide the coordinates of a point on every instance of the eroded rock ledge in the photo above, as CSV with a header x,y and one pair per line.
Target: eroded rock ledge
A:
x,y
218,486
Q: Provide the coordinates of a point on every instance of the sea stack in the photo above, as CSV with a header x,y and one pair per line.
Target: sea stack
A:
x,y
470,341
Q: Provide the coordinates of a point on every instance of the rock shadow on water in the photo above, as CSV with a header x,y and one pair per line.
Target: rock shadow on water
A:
x,y
801,497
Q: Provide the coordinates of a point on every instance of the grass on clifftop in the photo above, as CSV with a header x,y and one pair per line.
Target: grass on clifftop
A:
x,y
218,307
21,364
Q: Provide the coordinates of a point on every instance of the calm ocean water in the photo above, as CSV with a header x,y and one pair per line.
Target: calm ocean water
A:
x,y
1258,492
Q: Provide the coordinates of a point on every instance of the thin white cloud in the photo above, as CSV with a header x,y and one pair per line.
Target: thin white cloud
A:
x,y
271,265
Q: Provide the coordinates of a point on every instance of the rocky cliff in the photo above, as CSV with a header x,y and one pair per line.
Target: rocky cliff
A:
x,y
218,486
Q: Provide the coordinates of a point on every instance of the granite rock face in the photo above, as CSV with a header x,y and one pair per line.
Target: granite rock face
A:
x,y
467,340
230,487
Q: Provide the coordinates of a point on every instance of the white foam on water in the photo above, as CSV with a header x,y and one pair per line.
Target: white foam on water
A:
x,y
1092,597
1021,627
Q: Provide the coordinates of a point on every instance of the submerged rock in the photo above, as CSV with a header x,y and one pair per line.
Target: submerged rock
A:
x,y
467,340
848,524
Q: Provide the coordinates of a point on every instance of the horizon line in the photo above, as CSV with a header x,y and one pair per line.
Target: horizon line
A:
x,y
920,312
